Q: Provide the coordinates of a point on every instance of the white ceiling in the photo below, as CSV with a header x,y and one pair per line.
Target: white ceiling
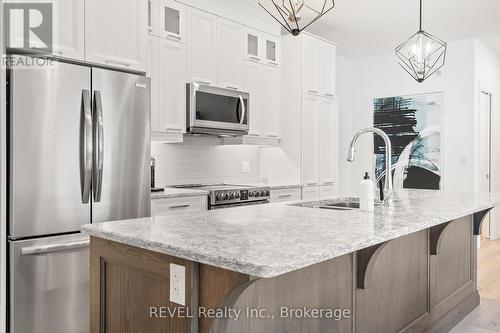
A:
x,y
368,27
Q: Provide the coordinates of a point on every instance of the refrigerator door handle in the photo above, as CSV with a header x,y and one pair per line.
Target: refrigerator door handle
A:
x,y
98,146
86,147
33,250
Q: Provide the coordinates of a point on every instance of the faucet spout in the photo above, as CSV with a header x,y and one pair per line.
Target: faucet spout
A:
x,y
388,188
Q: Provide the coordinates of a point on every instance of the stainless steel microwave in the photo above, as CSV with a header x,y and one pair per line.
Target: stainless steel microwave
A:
x,y
217,111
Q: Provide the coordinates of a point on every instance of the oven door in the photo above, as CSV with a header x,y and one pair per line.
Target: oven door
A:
x,y
239,204
217,110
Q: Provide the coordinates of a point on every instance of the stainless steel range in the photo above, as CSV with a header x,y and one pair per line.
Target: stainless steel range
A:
x,y
225,196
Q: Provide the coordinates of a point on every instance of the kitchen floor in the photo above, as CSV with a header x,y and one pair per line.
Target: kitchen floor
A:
x,y
486,317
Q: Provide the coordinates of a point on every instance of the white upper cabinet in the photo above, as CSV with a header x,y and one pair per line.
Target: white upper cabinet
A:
x,y
310,65
153,10
271,102
152,73
202,46
115,33
172,86
230,49
328,69
328,141
271,48
310,169
172,20
69,29
253,85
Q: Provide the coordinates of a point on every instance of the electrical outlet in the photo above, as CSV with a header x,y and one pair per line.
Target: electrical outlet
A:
x,y
178,284
245,167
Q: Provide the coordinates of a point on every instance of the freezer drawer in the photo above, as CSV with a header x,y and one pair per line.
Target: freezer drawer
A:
x,y
49,285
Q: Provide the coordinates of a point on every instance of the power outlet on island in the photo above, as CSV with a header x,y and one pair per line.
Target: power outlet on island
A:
x,y
178,284
245,167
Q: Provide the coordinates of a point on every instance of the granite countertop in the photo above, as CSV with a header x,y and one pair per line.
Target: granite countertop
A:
x,y
269,240
177,192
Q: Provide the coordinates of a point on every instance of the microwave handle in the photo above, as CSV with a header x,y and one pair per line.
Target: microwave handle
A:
x,y
243,110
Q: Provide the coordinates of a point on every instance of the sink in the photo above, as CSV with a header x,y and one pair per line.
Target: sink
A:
x,y
347,203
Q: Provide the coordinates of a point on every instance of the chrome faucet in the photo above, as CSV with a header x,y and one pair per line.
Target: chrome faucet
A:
x,y
388,189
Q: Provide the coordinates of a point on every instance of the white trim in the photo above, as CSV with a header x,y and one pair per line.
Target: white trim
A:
x,y
3,193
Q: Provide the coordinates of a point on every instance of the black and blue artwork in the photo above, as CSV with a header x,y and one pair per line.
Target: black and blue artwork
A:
x,y
413,124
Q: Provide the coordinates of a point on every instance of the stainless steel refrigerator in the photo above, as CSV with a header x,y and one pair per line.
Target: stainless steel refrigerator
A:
x,y
78,153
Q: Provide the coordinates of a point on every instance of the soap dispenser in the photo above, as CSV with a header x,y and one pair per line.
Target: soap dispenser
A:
x,y
367,194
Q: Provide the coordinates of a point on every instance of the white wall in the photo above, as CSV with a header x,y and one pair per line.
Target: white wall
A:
x,y
380,76
487,64
203,160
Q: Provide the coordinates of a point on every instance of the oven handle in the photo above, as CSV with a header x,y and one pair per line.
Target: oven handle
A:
x,y
239,204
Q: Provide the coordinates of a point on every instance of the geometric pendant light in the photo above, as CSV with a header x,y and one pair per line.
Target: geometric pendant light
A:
x,y
422,54
296,15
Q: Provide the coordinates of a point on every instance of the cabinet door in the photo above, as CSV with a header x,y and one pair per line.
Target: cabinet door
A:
x,y
115,33
172,20
328,72
271,49
311,192
328,141
271,102
152,73
172,86
310,64
68,29
153,15
327,191
310,140
230,48
253,85
202,46
253,45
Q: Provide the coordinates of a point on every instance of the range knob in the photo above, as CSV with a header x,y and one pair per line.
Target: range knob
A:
x,y
238,195
257,193
262,193
232,195
226,196
267,193
251,194
220,197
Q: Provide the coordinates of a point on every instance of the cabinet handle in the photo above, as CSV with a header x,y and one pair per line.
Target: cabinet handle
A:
x,y
175,37
270,62
232,88
284,196
254,58
179,206
312,183
206,83
272,136
253,134
313,91
172,129
328,183
329,95
115,62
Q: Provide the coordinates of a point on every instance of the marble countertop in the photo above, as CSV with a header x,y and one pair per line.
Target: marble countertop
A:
x,y
177,192
269,240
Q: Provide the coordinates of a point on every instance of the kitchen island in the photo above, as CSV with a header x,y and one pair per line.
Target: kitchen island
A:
x,y
292,268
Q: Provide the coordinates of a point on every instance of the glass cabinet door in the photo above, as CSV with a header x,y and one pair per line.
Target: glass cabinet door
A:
x,y
253,45
271,53
172,20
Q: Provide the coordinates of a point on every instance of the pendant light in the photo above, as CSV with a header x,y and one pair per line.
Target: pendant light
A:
x,y
296,15
422,54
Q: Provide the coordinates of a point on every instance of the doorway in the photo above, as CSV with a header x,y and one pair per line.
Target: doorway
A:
x,y
485,154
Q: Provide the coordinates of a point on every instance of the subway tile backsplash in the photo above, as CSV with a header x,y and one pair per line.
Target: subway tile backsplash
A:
x,y
203,160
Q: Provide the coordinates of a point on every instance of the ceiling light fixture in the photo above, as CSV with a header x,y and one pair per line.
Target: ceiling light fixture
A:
x,y
296,15
422,54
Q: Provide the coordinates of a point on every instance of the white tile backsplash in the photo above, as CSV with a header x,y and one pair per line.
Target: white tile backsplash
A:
x,y
203,160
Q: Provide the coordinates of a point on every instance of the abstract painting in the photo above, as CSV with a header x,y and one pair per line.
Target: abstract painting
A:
x,y
413,124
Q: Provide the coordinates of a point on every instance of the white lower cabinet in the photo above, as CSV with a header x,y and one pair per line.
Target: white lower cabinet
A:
x,y
327,191
185,204
281,195
311,192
